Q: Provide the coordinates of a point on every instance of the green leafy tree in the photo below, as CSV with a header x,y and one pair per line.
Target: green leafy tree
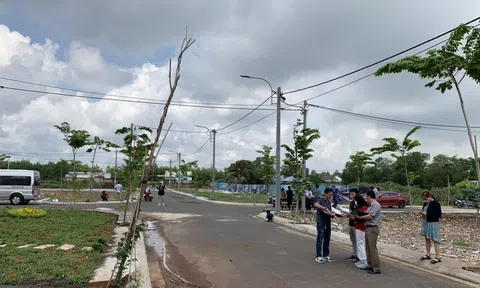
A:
x,y
299,152
185,167
360,160
136,147
267,165
76,139
95,144
242,172
459,54
399,152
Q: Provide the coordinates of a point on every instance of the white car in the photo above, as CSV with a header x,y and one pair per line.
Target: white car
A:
x,y
19,186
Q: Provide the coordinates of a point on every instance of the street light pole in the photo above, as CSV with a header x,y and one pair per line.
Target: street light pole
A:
x,y
280,98
212,133
304,168
278,203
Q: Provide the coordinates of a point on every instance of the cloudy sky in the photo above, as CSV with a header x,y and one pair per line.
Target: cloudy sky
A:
x,y
122,48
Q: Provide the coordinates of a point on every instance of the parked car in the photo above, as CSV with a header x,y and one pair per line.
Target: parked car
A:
x,y
392,199
19,186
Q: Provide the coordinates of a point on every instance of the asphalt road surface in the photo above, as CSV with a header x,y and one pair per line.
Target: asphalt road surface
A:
x,y
225,246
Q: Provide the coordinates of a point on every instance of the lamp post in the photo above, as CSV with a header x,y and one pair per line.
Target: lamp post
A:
x,y
280,98
211,132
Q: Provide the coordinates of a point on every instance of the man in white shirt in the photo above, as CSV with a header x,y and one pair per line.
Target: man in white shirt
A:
x,y
308,199
118,190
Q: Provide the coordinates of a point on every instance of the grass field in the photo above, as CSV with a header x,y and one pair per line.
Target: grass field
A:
x,y
228,197
58,227
79,196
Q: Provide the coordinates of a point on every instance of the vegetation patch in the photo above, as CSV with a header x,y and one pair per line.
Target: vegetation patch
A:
x,y
27,212
52,266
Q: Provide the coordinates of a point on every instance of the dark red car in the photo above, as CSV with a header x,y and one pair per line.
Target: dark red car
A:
x,y
392,199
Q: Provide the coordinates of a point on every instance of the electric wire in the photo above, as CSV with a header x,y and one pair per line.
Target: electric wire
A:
x,y
379,61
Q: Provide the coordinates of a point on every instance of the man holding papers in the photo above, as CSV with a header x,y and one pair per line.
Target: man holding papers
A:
x,y
324,226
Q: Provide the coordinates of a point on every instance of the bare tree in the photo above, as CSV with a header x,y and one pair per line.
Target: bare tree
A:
x,y
173,83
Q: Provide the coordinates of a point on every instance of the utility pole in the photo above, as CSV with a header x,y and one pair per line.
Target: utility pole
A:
x,y
179,172
116,155
131,167
277,157
304,167
170,172
214,132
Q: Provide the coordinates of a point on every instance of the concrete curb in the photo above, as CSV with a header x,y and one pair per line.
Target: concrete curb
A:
x,y
81,203
220,202
103,273
396,253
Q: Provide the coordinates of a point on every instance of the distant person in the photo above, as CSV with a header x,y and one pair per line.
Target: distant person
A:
x,y
361,209
161,194
324,227
317,193
373,220
269,216
431,212
118,190
308,199
290,198
104,196
351,224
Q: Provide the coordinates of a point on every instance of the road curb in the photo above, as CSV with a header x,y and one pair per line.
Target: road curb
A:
x,y
220,202
396,253
103,273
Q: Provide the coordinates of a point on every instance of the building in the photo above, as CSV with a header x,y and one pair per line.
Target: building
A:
x,y
332,179
98,177
171,177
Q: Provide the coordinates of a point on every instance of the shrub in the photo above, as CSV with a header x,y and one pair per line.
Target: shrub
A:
x,y
27,212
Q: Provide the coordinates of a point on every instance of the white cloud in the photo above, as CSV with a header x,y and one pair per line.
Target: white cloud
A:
x,y
295,46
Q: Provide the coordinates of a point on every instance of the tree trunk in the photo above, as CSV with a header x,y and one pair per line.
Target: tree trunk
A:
x,y
358,179
74,178
449,190
92,174
408,182
473,144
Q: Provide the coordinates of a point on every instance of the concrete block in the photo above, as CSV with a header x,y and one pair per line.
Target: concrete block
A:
x,y
25,246
66,247
42,247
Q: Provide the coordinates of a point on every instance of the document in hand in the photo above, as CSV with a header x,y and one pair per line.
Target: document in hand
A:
x,y
343,209
336,211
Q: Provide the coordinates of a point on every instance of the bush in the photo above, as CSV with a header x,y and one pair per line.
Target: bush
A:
x,y
27,212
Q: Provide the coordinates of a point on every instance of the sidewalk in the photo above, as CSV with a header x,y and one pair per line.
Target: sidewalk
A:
x,y
449,267
138,268
220,202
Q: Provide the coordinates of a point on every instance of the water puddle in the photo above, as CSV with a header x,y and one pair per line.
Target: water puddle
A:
x,y
155,240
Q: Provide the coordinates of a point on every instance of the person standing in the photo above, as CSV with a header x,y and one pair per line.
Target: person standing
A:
x,y
290,198
308,199
431,212
324,227
361,208
161,194
118,190
351,224
373,220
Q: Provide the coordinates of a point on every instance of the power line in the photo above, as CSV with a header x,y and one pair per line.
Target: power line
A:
x,y
248,124
171,130
108,94
199,149
396,121
135,101
246,115
377,62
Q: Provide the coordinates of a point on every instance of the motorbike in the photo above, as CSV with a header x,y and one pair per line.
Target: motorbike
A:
x,y
148,197
463,204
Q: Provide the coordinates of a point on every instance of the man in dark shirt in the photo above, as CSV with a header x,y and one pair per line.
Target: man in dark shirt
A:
x,y
324,226
351,223
290,198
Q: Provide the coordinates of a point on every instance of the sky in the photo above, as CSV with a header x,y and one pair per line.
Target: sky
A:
x,y
123,48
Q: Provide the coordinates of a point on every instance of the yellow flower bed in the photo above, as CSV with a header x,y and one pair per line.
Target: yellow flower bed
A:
x,y
27,212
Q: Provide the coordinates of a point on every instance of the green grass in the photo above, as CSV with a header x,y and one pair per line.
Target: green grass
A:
x,y
58,227
240,198
79,196
461,244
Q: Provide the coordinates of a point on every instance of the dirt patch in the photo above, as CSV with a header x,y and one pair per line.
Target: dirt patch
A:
x,y
403,229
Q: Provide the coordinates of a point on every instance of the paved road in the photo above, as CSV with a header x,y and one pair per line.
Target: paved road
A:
x,y
226,247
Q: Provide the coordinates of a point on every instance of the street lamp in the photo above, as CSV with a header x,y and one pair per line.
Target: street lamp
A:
x,y
211,132
280,98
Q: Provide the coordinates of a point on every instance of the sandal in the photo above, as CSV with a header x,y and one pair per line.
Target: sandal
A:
x,y
436,260
426,257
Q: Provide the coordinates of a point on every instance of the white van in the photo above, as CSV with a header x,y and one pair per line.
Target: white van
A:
x,y
19,186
